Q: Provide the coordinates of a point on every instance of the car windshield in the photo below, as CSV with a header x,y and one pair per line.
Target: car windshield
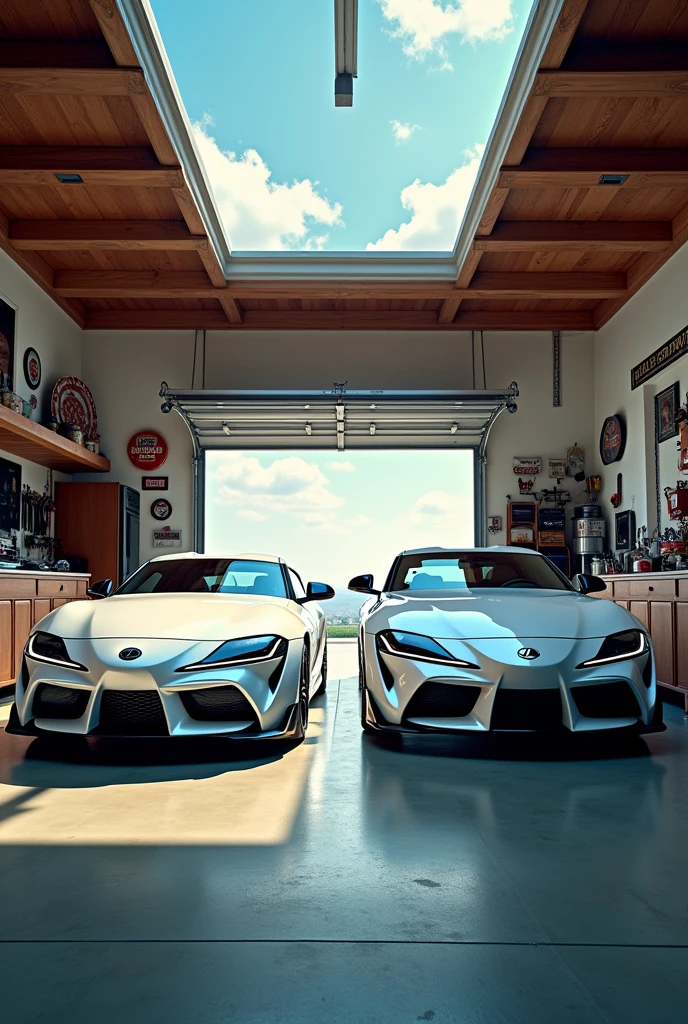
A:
x,y
207,576
472,570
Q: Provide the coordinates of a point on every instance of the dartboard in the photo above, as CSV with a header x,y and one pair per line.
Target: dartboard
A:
x,y
72,402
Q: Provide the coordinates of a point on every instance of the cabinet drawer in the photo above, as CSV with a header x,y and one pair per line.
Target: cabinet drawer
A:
x,y
645,590
19,588
683,590
57,588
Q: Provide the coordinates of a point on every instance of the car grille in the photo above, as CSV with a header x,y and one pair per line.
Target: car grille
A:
x,y
59,702
607,700
526,709
132,713
218,704
442,700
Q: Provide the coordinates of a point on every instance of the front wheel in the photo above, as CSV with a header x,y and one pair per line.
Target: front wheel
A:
x,y
304,693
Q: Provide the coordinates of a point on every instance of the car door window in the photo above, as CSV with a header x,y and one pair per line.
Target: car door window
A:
x,y
299,590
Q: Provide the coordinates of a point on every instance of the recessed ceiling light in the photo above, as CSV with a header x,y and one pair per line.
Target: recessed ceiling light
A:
x,y
372,428
454,427
69,179
225,427
309,429
612,179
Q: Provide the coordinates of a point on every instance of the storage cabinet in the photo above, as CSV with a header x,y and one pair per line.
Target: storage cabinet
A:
x,y
660,601
24,599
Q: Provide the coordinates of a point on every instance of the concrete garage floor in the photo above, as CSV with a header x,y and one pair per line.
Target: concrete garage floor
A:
x,y
493,880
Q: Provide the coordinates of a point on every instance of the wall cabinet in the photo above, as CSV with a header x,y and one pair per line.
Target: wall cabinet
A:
x,y
24,599
660,601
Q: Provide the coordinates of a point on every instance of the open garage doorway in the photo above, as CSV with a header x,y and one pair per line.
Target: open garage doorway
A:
x,y
334,515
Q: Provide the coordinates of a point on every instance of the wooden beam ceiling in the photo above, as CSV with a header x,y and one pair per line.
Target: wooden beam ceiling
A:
x,y
576,236
125,235
120,167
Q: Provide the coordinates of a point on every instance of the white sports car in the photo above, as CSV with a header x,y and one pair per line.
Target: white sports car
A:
x,y
189,645
491,639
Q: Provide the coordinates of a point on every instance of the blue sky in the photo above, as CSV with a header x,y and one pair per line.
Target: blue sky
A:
x,y
336,515
291,171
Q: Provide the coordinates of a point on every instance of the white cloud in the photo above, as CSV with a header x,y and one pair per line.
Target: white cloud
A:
x,y
422,25
289,485
403,131
341,467
250,514
256,212
436,211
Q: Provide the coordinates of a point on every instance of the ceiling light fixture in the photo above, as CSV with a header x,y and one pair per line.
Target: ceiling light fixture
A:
x,y
309,429
225,427
372,428
612,179
69,179
345,51
454,427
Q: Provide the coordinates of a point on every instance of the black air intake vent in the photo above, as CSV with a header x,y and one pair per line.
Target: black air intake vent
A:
x,y
608,700
132,713
526,709
218,704
59,702
442,700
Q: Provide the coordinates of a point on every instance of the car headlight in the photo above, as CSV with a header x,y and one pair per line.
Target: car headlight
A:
x,y
50,649
246,651
620,647
418,647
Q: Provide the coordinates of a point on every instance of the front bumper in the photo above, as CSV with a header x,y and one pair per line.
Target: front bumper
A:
x,y
150,698
507,694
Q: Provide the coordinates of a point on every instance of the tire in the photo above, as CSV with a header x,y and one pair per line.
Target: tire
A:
x,y
304,693
323,675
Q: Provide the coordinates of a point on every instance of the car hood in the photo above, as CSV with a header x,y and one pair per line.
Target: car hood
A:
x,y
495,614
176,617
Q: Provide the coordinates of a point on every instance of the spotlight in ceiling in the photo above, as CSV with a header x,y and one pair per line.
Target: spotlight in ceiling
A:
x,y
454,427
612,179
309,429
372,428
345,51
225,427
69,179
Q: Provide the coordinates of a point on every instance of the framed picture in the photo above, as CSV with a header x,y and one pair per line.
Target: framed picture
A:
x,y
612,439
625,531
32,368
8,316
10,496
666,406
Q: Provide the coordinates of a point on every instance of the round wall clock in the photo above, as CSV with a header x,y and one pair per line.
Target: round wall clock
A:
x,y
147,449
161,509
612,439
32,368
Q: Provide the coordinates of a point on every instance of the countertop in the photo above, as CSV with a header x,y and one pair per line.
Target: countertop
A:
x,y
681,575
36,574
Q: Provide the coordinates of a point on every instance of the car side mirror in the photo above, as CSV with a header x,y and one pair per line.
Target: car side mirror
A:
x,y
364,584
318,592
103,588
587,584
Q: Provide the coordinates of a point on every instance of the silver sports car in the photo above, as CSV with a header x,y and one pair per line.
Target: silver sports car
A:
x,y
490,639
190,645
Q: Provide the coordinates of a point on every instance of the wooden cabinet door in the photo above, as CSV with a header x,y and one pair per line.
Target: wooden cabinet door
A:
x,y
23,612
6,659
41,607
622,604
641,611
682,644
57,601
662,633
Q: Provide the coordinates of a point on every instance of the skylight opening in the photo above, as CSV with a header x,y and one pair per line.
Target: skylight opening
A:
x,y
291,172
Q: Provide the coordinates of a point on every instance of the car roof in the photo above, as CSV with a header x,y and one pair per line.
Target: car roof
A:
x,y
247,556
512,548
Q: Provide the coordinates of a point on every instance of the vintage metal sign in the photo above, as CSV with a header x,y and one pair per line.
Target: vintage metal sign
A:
x,y
660,358
167,538
147,449
154,483
528,465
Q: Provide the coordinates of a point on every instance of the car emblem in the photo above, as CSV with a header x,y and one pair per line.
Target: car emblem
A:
x,y
130,654
529,653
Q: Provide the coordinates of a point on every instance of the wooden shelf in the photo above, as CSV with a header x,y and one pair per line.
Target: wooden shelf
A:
x,y
25,439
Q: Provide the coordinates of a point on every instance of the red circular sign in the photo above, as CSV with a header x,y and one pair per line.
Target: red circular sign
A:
x,y
147,449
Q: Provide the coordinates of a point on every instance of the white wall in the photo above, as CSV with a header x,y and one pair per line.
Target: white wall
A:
x,y
124,371
41,324
657,312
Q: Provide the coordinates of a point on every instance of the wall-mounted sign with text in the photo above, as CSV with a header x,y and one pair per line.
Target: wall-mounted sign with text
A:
x,y
166,537
154,483
527,465
663,356
147,449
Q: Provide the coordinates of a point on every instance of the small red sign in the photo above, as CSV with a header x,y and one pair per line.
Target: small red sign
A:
x,y
147,449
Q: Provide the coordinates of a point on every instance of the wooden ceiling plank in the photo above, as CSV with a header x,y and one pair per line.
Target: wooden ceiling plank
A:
x,y
72,81
583,168
508,320
54,53
546,285
121,166
134,284
563,33
611,236
152,122
229,307
336,290
115,32
611,83
127,235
